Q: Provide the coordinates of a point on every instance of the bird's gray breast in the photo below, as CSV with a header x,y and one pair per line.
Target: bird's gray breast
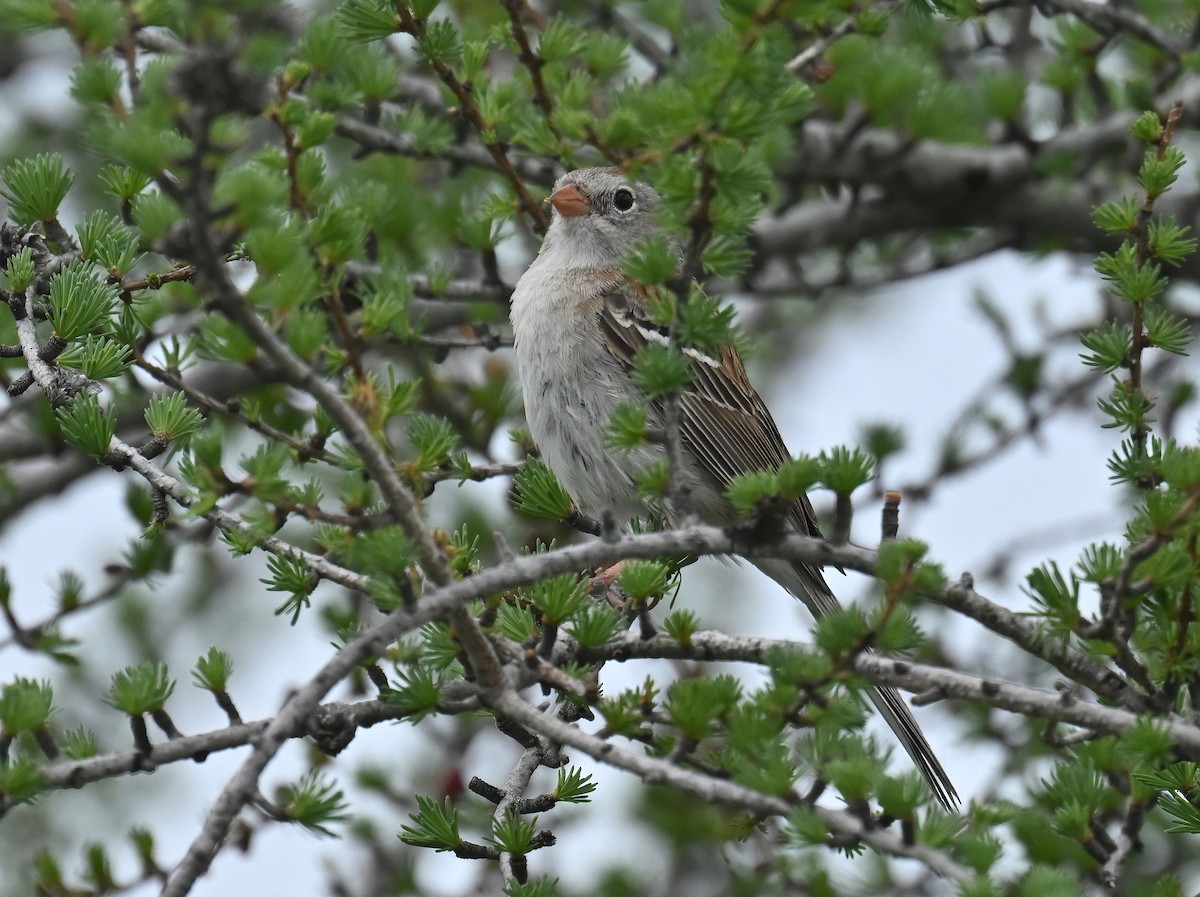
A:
x,y
569,402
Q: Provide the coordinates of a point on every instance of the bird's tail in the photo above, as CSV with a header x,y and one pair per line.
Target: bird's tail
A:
x,y
807,584
901,721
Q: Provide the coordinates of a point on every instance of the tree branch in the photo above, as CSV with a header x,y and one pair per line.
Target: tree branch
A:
x,y
712,790
910,676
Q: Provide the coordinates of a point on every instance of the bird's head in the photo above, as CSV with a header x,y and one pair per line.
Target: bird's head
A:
x,y
599,217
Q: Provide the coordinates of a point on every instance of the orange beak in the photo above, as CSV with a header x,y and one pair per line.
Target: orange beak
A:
x,y
570,201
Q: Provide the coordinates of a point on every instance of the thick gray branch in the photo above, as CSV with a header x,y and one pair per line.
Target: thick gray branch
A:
x,y
903,186
914,677
1079,668
335,716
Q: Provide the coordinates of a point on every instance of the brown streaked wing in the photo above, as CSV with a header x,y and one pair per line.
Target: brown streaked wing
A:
x,y
725,422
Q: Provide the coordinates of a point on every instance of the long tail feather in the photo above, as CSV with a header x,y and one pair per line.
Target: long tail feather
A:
x,y
893,709
807,584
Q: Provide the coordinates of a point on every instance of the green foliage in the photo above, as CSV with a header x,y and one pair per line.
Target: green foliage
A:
x,y
1024,375
1136,282
306,333
1128,408
29,15
513,834
21,779
80,302
558,598
1041,881
96,80
626,714
517,622
383,552
1167,331
314,802
434,439
144,142
1099,563
124,183
627,427
143,842
19,270
98,23
265,471
385,301
1169,241
705,324
417,694
168,416
25,705
694,705
434,825
463,549
537,492
36,187
150,554
79,744
882,440
681,625
212,671
98,357
900,564
798,475
153,213
537,887
1138,279
1109,346
748,490
1117,217
1159,171
574,786
1057,599
1179,784
768,767
291,575
652,262
1147,127
659,370
644,579
106,241
841,633
806,827
140,689
438,646
87,425
595,625
844,469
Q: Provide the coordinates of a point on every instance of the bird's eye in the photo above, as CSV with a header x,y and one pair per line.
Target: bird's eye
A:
x,y
623,199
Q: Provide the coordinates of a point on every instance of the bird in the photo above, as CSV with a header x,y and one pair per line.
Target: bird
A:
x,y
577,324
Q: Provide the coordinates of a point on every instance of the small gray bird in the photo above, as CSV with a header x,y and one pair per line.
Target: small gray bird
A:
x,y
578,325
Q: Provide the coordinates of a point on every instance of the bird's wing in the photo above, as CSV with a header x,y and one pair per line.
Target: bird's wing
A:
x,y
728,428
725,423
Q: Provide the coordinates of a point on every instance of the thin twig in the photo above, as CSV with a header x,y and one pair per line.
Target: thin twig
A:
x,y
514,787
415,26
818,48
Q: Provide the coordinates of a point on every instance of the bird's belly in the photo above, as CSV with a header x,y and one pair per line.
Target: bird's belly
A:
x,y
568,422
